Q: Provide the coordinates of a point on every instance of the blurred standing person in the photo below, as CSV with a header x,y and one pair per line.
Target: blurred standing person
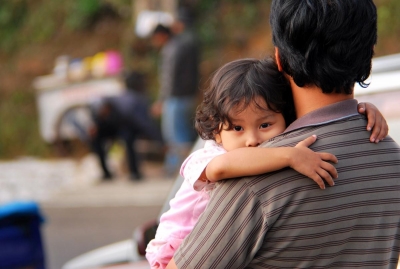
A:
x,y
124,117
179,76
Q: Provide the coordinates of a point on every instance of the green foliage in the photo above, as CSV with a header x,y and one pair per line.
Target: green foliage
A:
x,y
388,17
12,17
19,133
121,4
79,11
38,26
23,22
220,21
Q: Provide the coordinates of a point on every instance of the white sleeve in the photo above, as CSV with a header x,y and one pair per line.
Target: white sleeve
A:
x,y
195,164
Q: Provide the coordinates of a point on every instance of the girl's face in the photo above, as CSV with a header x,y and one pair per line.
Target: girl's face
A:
x,y
251,127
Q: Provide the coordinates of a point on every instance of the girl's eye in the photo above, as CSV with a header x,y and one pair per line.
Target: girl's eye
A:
x,y
264,125
237,128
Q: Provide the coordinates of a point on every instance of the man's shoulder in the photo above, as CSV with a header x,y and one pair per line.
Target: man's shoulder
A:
x,y
331,129
344,135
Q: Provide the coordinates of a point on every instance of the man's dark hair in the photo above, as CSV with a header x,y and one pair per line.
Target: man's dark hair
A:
x,y
328,43
161,29
186,15
236,85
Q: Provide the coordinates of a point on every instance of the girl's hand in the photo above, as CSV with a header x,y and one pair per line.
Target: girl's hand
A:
x,y
376,122
312,164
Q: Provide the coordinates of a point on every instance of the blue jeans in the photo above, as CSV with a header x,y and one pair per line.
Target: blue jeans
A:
x,y
177,126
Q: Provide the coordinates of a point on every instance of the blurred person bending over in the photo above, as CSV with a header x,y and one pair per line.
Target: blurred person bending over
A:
x,y
178,88
125,117
281,219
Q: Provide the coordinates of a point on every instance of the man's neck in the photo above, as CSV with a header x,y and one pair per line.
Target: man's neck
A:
x,y
310,98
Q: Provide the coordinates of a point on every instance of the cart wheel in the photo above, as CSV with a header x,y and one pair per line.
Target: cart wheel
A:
x,y
72,124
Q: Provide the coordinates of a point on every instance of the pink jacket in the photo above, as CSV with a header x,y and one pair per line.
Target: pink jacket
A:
x,y
185,208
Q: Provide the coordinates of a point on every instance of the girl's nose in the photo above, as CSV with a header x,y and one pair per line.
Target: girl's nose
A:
x,y
252,141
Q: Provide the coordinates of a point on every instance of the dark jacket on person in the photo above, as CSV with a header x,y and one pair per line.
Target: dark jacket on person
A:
x,y
179,66
129,112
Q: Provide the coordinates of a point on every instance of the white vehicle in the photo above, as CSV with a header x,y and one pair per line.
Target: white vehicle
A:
x,y
63,106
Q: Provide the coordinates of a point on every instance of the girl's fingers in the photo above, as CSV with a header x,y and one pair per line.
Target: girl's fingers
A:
x,y
383,131
307,142
317,178
374,137
329,168
361,108
328,157
372,122
326,176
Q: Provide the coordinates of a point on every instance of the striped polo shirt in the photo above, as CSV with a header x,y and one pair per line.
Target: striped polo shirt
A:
x,y
283,220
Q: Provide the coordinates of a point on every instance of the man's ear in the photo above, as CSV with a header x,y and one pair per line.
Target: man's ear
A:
x,y
278,59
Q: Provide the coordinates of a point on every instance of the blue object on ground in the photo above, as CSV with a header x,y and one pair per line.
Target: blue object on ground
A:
x,y
20,237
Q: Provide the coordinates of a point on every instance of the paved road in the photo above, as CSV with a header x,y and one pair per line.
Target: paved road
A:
x,y
82,213
70,232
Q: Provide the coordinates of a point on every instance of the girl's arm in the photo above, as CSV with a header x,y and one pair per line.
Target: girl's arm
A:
x,y
251,161
376,122
254,161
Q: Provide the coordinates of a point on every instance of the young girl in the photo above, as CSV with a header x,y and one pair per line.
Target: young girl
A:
x,y
248,102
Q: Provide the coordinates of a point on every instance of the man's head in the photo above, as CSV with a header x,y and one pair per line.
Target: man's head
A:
x,y
184,19
327,43
160,36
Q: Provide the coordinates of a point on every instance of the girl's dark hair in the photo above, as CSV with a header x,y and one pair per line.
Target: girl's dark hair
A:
x,y
237,84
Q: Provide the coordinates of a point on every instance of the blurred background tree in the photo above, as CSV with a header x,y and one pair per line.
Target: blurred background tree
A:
x,y
34,33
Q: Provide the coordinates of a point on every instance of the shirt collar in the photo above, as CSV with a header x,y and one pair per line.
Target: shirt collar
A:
x,y
327,114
